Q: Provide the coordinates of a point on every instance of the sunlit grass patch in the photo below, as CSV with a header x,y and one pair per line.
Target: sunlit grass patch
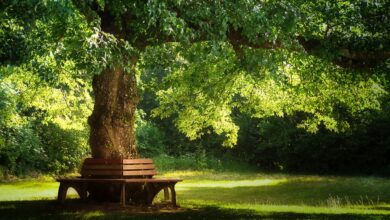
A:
x,y
26,190
30,191
219,175
231,184
304,209
239,195
307,209
289,190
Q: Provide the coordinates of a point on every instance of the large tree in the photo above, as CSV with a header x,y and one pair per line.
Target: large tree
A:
x,y
264,58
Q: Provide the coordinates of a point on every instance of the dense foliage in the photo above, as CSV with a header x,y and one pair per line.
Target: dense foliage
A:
x,y
294,85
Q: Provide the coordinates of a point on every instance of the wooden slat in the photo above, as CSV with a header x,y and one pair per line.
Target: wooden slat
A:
x,y
124,161
139,167
118,167
138,161
90,180
102,172
119,173
140,173
138,180
155,180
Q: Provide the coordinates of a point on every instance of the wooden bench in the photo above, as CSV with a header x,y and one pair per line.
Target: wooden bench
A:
x,y
132,177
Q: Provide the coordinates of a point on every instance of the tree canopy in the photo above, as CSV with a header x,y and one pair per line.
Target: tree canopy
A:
x,y
205,60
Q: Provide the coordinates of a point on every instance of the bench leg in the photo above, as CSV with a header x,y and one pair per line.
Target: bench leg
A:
x,y
149,194
62,190
166,194
81,189
84,193
151,190
123,195
173,194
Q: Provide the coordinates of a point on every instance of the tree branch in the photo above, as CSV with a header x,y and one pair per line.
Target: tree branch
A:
x,y
345,58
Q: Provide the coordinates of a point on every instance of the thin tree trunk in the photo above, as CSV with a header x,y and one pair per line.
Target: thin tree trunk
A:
x,y
112,120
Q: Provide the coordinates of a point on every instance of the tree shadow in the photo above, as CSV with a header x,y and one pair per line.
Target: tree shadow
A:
x,y
75,209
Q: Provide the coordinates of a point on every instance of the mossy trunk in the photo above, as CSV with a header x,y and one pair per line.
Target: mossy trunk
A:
x,y
112,120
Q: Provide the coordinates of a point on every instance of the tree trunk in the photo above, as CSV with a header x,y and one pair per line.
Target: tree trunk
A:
x,y
112,120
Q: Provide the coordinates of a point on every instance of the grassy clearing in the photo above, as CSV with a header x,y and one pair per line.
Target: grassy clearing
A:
x,y
230,195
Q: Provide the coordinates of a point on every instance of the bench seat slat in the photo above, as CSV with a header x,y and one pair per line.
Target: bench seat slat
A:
x,y
120,180
140,173
102,172
139,167
119,173
118,167
137,161
124,161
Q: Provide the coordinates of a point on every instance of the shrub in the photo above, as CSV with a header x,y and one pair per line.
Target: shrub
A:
x,y
64,148
149,139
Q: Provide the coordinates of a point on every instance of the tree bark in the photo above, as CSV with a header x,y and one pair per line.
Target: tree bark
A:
x,y
112,120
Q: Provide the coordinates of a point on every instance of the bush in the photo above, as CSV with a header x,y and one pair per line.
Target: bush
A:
x,y
64,148
22,150
186,162
39,147
149,139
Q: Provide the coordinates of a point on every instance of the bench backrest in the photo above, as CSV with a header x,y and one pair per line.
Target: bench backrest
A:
x,y
126,168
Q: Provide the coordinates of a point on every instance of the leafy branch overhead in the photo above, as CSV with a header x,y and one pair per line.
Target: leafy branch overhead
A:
x,y
207,60
351,33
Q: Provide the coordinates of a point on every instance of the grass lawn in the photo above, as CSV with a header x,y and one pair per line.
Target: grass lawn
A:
x,y
216,195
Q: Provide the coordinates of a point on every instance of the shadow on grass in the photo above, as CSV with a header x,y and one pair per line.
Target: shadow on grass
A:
x,y
74,209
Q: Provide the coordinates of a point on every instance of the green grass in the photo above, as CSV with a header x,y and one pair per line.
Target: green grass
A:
x,y
216,195
27,190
